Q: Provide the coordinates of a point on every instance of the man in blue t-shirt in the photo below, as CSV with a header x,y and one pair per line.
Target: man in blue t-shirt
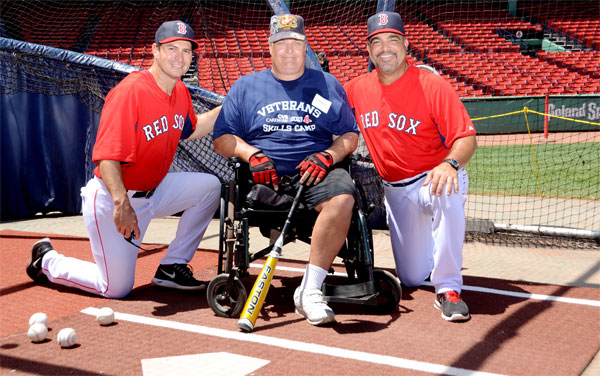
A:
x,y
286,119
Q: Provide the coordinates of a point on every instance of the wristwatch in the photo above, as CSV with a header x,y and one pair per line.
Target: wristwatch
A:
x,y
453,162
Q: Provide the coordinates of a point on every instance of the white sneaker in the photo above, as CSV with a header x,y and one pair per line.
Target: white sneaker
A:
x,y
310,304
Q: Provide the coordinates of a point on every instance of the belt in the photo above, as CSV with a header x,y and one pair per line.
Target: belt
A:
x,y
144,194
405,183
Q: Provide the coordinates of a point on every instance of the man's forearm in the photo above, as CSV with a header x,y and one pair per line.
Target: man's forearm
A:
x,y
343,146
463,149
205,123
229,145
113,180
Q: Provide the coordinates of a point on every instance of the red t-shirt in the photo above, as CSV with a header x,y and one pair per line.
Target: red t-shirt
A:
x,y
141,126
410,125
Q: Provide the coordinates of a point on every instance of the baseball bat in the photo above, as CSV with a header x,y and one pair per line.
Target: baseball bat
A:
x,y
263,281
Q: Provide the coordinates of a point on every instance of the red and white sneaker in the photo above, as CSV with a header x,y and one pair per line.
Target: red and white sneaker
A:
x,y
452,306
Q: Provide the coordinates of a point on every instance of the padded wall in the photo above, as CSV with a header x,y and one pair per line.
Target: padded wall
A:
x,y
43,156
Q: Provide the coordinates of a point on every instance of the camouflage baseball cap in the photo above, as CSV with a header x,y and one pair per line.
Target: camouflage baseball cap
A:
x,y
287,26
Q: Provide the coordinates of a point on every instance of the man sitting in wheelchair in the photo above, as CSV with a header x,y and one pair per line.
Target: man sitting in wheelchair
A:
x,y
291,120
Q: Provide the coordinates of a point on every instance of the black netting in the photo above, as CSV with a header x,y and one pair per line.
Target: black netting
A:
x,y
503,57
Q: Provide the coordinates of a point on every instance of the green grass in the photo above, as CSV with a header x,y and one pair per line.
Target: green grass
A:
x,y
565,170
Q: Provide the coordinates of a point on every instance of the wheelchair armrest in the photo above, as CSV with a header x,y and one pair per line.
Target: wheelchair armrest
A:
x,y
233,162
240,168
242,176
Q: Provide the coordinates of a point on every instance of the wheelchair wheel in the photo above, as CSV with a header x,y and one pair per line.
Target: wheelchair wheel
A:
x,y
388,289
358,250
226,303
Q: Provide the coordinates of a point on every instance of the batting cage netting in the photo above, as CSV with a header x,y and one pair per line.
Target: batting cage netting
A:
x,y
527,71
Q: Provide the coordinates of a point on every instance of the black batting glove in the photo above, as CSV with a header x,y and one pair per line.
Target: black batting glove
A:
x,y
263,169
317,165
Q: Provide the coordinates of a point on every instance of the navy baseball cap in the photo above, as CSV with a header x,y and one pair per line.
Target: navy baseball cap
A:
x,y
385,22
175,30
287,26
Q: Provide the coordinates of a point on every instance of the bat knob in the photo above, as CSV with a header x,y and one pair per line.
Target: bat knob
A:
x,y
131,236
245,325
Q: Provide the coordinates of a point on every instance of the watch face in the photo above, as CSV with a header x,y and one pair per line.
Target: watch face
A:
x,y
453,162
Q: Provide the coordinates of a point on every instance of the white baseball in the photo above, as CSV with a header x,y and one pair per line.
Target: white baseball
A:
x,y
38,317
66,337
105,316
37,332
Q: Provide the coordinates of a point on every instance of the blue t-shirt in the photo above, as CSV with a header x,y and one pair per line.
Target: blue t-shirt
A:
x,y
287,120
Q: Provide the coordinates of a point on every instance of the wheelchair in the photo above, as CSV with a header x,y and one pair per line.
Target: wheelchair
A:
x,y
226,294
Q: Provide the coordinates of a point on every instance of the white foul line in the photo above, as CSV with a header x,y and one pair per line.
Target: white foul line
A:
x,y
524,295
296,345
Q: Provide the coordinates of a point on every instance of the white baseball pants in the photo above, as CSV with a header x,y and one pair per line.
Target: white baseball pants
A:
x,y
427,233
112,274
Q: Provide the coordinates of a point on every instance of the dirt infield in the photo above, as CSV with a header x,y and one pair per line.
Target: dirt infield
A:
x,y
517,328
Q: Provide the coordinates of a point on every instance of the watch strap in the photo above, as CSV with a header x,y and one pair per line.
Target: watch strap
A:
x,y
453,162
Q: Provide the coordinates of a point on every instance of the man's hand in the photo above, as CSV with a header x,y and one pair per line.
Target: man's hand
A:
x,y
263,169
442,176
125,218
123,214
315,167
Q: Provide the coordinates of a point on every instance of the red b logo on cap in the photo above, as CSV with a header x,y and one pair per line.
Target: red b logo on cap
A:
x,y
383,19
182,28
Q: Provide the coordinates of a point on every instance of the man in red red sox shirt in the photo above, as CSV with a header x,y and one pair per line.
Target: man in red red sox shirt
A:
x,y
142,121
420,137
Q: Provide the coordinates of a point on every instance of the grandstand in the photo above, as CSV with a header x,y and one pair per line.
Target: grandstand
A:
x,y
573,26
499,55
448,36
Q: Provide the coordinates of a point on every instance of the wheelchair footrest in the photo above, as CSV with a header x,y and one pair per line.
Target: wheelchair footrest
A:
x,y
365,300
358,290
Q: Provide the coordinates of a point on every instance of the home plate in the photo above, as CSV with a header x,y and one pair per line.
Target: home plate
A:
x,y
202,364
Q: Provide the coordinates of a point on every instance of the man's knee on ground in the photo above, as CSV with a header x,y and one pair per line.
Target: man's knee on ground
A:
x,y
411,280
118,291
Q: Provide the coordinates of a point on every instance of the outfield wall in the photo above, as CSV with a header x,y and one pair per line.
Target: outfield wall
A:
x,y
576,107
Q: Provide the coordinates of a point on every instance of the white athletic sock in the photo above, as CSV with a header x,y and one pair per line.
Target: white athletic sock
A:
x,y
313,277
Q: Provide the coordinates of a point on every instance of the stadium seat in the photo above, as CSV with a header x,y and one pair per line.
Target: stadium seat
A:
x,y
464,46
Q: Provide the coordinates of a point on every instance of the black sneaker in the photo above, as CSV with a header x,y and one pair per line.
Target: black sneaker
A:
x,y
34,266
452,306
177,276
